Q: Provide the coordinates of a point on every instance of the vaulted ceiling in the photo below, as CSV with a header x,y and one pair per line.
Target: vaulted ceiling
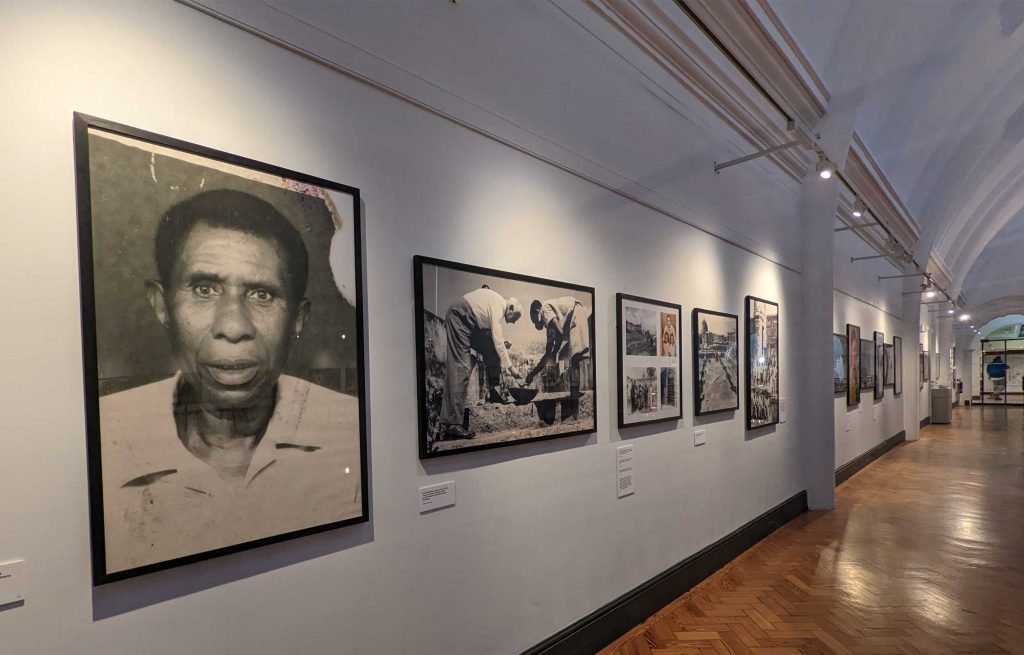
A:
x,y
937,94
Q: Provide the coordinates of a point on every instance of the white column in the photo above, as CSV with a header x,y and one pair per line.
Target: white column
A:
x,y
911,336
817,408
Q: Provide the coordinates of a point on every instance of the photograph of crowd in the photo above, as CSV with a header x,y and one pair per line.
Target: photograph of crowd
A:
x,y
502,358
650,359
716,362
762,332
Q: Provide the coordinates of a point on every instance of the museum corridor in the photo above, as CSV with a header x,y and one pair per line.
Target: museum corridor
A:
x,y
922,554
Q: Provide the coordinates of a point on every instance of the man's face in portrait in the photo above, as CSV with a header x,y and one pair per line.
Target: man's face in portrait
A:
x,y
230,316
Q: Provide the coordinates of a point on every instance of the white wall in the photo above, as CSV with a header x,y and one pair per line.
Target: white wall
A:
x,y
538,538
860,298
860,428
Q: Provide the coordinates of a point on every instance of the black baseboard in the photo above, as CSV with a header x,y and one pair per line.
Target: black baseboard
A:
x,y
844,472
603,626
927,420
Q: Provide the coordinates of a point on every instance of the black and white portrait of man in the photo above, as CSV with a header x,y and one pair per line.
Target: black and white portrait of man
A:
x,y
228,368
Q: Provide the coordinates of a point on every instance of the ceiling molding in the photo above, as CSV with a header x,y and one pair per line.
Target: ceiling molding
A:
x,y
740,26
871,183
671,40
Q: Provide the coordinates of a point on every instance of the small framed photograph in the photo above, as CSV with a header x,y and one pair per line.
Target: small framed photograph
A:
x,y
650,360
716,346
867,365
890,366
762,336
222,324
897,358
879,365
853,365
502,358
839,365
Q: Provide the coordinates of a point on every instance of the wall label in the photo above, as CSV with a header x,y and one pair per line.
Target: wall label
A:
x,y
437,496
12,582
624,470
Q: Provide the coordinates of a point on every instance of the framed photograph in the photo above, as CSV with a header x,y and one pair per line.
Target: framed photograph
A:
x,y
897,358
650,360
879,365
853,365
762,336
867,365
922,366
839,364
890,366
223,351
502,358
716,354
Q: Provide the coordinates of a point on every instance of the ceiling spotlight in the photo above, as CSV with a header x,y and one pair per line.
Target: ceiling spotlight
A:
x,y
972,327
825,168
950,311
965,317
929,294
858,207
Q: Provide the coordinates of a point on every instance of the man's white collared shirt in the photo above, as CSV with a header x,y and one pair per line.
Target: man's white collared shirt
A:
x,y
160,502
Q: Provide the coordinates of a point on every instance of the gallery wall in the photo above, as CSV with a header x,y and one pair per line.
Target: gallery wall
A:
x,y
861,299
538,538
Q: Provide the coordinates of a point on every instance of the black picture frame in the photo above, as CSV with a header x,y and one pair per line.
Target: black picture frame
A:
x,y
657,359
853,365
897,358
427,441
839,354
867,365
879,343
83,124
695,337
890,365
772,346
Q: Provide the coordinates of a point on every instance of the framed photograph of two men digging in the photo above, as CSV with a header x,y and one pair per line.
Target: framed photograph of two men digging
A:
x,y
501,358
223,351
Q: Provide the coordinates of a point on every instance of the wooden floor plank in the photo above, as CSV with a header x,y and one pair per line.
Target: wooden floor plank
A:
x,y
922,554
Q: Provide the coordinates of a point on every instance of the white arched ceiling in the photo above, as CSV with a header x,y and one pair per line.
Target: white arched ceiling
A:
x,y
942,111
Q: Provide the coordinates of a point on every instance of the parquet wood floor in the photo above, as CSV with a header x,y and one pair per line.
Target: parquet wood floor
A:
x,y
923,553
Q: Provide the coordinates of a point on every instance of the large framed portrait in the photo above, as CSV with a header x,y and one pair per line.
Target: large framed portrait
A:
x,y
648,334
762,336
502,358
839,364
223,351
716,384
867,365
853,365
897,358
879,365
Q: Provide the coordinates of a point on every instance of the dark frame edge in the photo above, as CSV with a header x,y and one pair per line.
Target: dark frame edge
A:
x,y
418,262
695,360
612,620
82,123
619,297
747,367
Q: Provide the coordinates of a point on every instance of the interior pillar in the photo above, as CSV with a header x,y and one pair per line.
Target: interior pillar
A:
x,y
818,200
910,334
